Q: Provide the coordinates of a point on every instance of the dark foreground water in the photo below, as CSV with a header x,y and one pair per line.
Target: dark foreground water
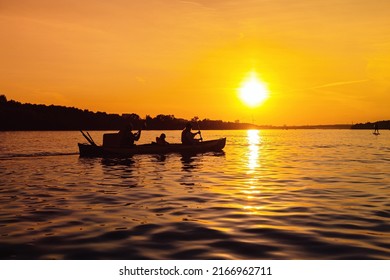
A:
x,y
272,194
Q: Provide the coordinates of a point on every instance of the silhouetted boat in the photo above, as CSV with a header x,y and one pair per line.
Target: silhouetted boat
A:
x,y
90,150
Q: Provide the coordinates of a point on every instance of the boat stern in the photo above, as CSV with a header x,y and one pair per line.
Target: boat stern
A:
x,y
87,150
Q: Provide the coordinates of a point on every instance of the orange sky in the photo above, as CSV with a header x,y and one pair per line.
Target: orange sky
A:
x,y
324,61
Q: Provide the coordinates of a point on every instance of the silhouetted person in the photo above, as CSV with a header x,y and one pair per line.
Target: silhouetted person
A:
x,y
127,137
187,137
161,140
376,128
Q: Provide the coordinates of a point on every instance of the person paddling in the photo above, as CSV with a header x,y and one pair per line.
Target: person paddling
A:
x,y
188,137
376,128
127,137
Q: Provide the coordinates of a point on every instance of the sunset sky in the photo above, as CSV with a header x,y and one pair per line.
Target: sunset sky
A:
x,y
322,61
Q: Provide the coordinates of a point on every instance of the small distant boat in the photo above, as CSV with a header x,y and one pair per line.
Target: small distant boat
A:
x,y
93,150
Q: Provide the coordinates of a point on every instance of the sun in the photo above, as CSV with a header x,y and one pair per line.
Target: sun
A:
x,y
253,92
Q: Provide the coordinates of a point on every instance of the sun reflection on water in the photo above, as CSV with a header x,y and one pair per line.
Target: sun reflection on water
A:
x,y
251,190
254,139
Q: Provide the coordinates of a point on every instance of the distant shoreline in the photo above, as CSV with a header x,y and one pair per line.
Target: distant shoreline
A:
x,y
32,117
169,129
250,126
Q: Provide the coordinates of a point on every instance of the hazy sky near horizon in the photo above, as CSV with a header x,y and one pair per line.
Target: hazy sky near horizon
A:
x,y
323,61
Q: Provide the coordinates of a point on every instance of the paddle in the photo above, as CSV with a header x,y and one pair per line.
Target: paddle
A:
x,y
200,134
89,138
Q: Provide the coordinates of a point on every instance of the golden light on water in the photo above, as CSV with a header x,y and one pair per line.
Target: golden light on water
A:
x,y
253,91
252,189
253,137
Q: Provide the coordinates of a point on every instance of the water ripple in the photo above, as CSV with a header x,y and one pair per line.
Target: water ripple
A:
x,y
270,195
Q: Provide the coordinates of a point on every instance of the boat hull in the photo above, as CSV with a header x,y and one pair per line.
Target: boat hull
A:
x,y
87,150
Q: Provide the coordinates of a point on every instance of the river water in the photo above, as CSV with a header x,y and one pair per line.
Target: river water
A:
x,y
272,194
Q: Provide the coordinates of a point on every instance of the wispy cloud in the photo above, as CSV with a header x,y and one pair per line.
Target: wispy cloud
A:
x,y
326,86
191,3
196,4
342,83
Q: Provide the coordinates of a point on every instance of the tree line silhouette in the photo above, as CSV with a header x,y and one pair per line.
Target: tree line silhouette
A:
x,y
370,125
25,116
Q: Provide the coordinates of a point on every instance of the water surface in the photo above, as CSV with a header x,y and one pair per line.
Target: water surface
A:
x,y
272,194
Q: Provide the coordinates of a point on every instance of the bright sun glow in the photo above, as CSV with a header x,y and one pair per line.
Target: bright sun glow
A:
x,y
253,91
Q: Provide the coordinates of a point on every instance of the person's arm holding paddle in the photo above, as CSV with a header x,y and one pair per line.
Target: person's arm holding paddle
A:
x,y
137,135
200,134
187,137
